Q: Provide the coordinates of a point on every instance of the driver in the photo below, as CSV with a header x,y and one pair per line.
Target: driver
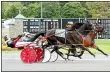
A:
x,y
69,26
26,37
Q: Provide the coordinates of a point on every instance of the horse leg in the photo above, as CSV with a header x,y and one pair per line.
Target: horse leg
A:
x,y
77,55
68,54
87,50
74,52
58,52
72,49
97,48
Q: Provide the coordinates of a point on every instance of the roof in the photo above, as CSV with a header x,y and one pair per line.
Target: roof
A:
x,y
19,16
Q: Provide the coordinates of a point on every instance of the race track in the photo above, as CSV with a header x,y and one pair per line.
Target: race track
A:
x,y
12,62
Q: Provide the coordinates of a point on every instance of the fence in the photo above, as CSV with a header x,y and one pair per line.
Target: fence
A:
x,y
36,25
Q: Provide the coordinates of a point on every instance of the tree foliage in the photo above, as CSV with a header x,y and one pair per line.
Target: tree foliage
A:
x,y
33,10
99,9
74,10
56,9
12,11
51,10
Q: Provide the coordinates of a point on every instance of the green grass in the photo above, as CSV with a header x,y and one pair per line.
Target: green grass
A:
x,y
102,44
11,51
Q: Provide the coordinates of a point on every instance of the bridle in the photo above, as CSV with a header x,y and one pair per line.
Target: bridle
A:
x,y
96,29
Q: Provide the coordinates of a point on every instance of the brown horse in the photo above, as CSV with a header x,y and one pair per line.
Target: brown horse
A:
x,y
88,40
72,39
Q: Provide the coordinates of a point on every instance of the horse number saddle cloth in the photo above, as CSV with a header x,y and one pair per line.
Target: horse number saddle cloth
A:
x,y
60,33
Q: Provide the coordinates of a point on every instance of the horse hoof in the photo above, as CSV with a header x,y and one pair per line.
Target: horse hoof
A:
x,y
70,60
80,57
65,59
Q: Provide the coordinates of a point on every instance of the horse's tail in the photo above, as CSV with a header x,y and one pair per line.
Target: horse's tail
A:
x,y
37,35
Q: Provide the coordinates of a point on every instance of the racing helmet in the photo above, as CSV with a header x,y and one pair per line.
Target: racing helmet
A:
x,y
69,25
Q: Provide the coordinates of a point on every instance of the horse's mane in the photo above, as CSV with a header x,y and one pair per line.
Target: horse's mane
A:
x,y
85,29
81,27
77,25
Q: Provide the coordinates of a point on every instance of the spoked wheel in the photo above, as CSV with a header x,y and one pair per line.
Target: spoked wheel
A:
x,y
40,54
79,52
28,55
46,56
54,56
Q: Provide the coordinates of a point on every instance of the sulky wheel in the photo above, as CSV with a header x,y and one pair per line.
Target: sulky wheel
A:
x,y
28,55
47,55
54,56
40,54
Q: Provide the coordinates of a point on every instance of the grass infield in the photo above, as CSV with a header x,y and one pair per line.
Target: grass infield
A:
x,y
102,44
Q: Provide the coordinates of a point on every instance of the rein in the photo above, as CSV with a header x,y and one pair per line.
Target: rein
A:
x,y
49,36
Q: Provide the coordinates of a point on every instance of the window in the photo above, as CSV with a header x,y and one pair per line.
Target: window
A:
x,y
25,23
25,30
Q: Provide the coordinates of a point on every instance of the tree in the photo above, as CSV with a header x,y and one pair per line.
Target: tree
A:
x,y
3,16
99,9
12,11
51,10
10,6
27,3
74,10
63,9
87,12
33,10
5,6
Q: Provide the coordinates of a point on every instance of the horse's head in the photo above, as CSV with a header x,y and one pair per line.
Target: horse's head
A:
x,y
100,29
89,26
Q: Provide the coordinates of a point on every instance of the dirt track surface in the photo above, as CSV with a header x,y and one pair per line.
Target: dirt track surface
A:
x,y
12,62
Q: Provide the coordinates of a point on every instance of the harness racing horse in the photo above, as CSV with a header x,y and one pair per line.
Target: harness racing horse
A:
x,y
88,40
70,39
74,40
